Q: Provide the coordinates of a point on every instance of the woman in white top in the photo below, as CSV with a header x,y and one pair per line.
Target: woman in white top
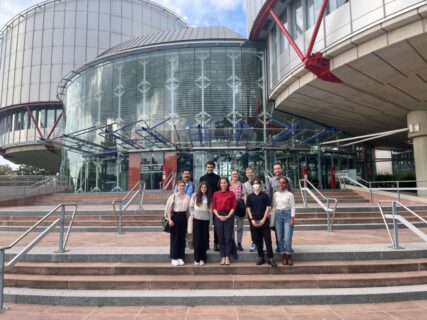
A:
x,y
284,204
176,211
200,209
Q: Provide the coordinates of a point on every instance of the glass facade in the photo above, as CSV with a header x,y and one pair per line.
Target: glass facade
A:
x,y
180,99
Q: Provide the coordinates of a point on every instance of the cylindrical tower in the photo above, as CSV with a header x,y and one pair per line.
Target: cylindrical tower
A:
x,y
42,44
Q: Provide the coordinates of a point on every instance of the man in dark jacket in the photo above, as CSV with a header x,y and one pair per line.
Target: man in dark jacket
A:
x,y
212,180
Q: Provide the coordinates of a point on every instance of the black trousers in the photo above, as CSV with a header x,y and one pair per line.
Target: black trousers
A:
x,y
178,232
225,231
261,234
200,239
214,231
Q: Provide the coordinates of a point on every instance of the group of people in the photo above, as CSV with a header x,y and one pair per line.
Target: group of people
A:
x,y
222,201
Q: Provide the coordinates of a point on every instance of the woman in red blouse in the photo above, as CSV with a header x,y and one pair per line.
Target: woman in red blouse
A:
x,y
223,206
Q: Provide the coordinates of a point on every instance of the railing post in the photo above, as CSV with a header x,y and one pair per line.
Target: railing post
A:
x,y
398,191
305,198
61,230
370,191
328,215
395,227
120,217
2,307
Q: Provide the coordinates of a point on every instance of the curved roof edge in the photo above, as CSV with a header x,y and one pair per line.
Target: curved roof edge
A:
x,y
46,2
165,41
175,36
262,16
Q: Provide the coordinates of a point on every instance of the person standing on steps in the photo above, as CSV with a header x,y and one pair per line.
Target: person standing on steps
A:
x,y
176,211
258,207
213,181
237,188
247,190
200,209
284,204
223,206
190,188
272,185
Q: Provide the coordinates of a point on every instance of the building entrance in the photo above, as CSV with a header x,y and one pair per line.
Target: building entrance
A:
x,y
152,169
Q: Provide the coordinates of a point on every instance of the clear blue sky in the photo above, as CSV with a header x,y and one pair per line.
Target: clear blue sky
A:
x,y
229,13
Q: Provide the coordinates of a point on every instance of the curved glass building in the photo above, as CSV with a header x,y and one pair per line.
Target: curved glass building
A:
x,y
173,99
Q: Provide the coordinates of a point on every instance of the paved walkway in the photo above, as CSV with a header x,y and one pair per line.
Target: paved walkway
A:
x,y
159,239
410,310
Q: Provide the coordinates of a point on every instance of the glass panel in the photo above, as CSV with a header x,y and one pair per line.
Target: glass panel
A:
x,y
298,22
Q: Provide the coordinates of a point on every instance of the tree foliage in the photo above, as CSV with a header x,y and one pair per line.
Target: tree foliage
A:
x,y
6,170
28,170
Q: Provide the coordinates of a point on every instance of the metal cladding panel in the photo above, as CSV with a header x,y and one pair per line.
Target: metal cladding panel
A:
x,y
49,40
252,10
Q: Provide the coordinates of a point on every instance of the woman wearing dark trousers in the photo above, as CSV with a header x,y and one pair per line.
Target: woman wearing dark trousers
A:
x,y
223,206
176,212
200,209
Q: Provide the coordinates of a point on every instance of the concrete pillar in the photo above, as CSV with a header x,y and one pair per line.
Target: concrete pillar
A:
x,y
417,124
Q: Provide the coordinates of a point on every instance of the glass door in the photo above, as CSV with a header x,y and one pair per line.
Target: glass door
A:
x,y
152,169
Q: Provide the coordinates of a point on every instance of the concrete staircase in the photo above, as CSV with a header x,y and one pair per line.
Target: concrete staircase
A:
x,y
145,276
96,213
322,274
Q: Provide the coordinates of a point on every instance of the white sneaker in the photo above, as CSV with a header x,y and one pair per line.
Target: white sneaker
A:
x,y
181,262
175,262
196,263
201,262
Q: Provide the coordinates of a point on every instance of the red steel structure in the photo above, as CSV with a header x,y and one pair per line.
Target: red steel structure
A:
x,y
314,62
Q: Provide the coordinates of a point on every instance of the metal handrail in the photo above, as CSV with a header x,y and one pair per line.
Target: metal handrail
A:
x,y
306,181
396,217
60,221
370,189
123,208
327,208
38,185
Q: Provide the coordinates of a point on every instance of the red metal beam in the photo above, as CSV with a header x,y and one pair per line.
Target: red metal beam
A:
x,y
34,121
316,28
288,36
55,124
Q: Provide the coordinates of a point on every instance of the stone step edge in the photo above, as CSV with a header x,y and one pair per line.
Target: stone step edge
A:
x,y
161,254
215,297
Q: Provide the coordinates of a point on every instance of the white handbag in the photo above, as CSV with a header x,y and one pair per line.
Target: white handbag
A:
x,y
190,224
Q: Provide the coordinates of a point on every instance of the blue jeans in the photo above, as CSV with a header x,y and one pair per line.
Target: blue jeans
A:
x,y
284,230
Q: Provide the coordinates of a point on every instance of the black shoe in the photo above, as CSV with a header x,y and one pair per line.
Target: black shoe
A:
x,y
271,262
216,247
260,261
239,247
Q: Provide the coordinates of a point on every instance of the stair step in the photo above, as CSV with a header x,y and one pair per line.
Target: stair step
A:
x,y
265,281
237,268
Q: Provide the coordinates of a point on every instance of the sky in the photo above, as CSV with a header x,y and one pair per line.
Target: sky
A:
x,y
229,13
